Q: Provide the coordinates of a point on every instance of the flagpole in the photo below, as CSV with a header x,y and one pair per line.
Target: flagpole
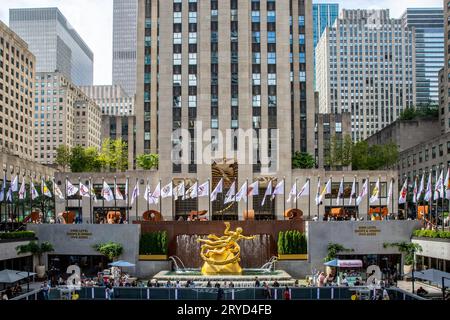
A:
x,y
147,191
309,199
115,190
331,194
351,199
368,194
103,198
284,196
137,200
91,188
198,209
67,197
343,196
209,199
317,195
379,196
296,199
23,200
246,195
406,198
31,196
1,202
160,199
79,200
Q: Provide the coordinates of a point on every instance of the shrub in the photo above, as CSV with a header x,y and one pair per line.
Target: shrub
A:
x,y
291,242
432,234
35,249
18,235
153,243
111,250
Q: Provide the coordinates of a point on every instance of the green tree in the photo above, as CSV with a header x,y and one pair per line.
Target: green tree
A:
x,y
302,160
390,154
35,249
360,155
91,156
78,161
111,250
105,156
347,150
63,155
120,154
147,161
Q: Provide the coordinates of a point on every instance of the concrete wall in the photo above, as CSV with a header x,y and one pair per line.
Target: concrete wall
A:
x,y
8,250
351,235
79,239
439,249
147,269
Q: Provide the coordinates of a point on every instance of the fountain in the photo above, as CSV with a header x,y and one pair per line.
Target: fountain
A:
x,y
221,257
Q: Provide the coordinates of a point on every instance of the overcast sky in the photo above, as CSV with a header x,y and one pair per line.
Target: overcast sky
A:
x,y
93,21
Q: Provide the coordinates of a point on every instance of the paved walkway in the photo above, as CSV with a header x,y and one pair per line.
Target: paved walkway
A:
x,y
407,286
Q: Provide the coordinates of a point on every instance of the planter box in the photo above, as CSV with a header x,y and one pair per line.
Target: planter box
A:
x,y
152,257
303,256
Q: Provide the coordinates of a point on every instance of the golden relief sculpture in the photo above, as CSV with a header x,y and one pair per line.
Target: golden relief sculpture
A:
x,y
222,254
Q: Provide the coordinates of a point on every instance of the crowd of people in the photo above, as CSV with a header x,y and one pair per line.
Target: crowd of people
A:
x,y
11,292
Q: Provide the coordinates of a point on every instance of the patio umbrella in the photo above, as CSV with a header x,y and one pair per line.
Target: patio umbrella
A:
x,y
12,276
121,264
344,263
432,275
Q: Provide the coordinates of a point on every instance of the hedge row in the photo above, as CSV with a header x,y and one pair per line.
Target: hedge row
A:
x,y
292,242
153,243
432,234
17,235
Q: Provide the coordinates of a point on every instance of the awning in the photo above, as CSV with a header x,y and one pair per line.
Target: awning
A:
x,y
432,275
12,276
344,263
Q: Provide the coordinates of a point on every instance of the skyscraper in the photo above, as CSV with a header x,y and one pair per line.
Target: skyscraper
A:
x,y
218,67
55,43
428,24
324,15
124,44
365,66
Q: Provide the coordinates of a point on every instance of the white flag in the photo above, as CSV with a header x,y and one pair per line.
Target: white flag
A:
x,y
427,196
447,184
14,187
242,194
22,190
304,191
279,189
230,196
415,191
326,190
340,192
421,187
203,190
403,193
92,191
267,193
33,191
318,192
147,192
218,189
439,188
84,191
154,198
375,192
364,191
293,192
70,189
126,190
3,189
107,193
389,195
167,191
135,193
117,194
192,192
253,189
353,192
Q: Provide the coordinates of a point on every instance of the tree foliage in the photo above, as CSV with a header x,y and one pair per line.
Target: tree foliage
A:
x,y
35,249
407,248
153,243
147,161
302,160
333,249
63,156
365,157
111,250
114,154
425,111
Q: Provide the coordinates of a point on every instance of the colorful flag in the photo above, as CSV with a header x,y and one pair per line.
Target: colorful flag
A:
x,y
375,192
421,187
230,196
117,194
326,190
218,189
340,192
107,193
389,195
318,192
2,191
167,191
415,191
279,189
267,193
253,189
439,188
203,189
84,191
353,192
57,191
242,193
427,196
92,191
70,189
403,193
33,191
364,191
45,191
304,191
293,192
135,193
23,190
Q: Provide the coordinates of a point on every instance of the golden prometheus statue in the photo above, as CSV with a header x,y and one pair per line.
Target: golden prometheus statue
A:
x,y
222,254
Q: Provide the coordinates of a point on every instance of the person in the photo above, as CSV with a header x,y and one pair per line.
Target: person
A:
x,y
276,284
4,296
267,292
9,292
316,218
321,280
357,282
149,284
219,292
17,289
217,285
178,284
296,283
209,285
257,283
156,284
422,292
354,296
188,284
344,281
231,285
385,295
45,290
168,284
287,293
107,292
